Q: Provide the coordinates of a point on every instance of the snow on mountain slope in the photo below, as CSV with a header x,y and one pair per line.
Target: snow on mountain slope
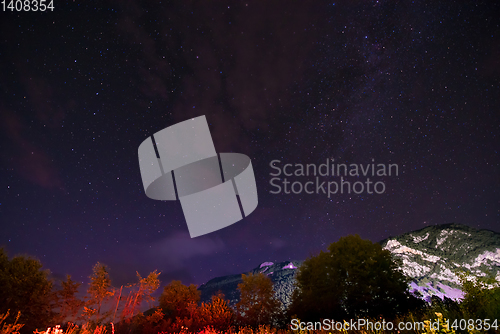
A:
x,y
432,257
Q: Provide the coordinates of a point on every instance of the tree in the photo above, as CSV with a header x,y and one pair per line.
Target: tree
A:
x,y
25,288
482,296
143,292
257,304
217,314
98,292
355,278
177,300
68,303
147,286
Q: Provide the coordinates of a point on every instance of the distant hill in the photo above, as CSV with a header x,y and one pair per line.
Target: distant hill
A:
x,y
430,258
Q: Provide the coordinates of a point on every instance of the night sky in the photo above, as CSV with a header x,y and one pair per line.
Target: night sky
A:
x,y
412,83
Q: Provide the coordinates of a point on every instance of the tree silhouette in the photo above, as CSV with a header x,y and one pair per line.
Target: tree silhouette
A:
x,y
355,278
24,287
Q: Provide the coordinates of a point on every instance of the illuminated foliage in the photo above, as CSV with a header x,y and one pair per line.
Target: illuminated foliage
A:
x,y
147,286
179,300
217,314
141,291
99,291
67,302
258,304
13,328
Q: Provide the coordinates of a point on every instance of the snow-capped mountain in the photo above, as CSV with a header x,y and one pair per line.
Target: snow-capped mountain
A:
x,y
431,257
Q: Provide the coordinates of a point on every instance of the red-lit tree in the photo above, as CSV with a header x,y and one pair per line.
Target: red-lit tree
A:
x,y
258,304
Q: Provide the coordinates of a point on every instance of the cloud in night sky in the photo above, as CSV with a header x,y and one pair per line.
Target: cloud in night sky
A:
x,y
178,248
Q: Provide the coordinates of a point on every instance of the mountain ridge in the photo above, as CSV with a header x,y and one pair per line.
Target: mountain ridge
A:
x,y
430,257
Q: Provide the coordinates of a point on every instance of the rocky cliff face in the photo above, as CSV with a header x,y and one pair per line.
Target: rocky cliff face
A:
x,y
431,257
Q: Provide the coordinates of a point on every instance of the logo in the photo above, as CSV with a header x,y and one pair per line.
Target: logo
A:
x,y
347,178
180,163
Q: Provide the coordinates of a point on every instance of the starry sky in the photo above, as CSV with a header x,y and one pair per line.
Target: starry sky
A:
x,y
412,83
